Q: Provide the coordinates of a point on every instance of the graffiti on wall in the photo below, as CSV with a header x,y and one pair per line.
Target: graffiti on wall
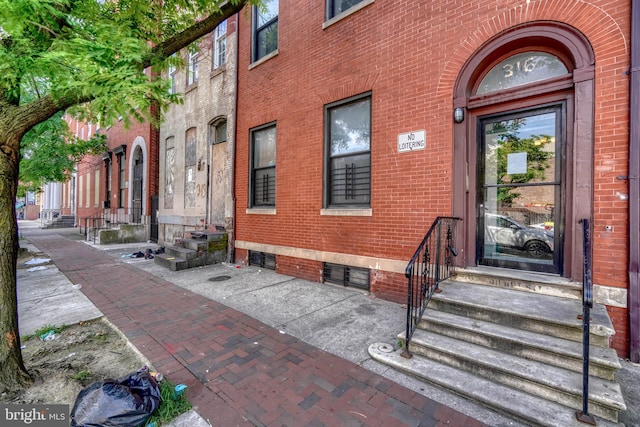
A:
x,y
170,162
190,154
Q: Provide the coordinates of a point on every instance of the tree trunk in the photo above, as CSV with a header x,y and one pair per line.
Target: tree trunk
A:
x,y
13,374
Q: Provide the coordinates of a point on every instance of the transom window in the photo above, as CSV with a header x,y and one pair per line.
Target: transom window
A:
x,y
263,167
348,148
521,69
218,132
265,29
220,45
335,7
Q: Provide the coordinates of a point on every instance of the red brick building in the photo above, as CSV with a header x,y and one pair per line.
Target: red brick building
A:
x,y
360,123
119,185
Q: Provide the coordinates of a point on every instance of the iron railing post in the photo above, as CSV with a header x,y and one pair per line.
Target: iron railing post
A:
x,y
587,304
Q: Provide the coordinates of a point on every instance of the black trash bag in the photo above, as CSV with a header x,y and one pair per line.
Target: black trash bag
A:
x,y
126,402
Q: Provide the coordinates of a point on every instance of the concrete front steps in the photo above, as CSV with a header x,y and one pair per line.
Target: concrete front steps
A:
x,y
63,221
513,344
200,248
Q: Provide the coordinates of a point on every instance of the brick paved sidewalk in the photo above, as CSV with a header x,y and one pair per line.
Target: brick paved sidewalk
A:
x,y
240,372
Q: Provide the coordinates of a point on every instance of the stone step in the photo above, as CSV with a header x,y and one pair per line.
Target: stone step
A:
x,y
514,402
536,378
518,280
171,262
534,312
180,252
193,244
530,345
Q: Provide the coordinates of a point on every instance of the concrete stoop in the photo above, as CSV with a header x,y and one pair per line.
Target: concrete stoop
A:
x,y
201,248
118,233
514,346
63,221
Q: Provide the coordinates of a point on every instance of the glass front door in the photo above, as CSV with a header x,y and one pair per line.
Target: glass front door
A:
x,y
520,189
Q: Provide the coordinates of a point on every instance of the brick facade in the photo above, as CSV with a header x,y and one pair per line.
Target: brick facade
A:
x,y
410,56
86,198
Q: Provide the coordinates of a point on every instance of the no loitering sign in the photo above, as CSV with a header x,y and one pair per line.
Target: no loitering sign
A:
x,y
411,141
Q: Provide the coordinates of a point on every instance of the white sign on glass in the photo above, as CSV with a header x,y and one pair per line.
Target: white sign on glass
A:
x,y
517,163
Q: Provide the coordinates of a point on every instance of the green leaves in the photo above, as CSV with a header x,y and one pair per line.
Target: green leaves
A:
x,y
49,152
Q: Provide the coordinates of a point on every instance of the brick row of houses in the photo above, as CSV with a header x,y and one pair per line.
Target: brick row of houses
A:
x,y
326,137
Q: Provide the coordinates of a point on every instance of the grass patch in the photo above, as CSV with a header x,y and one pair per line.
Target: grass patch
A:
x,y
83,376
170,406
43,330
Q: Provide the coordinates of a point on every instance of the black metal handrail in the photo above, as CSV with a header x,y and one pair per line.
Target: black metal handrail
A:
x,y
587,304
431,264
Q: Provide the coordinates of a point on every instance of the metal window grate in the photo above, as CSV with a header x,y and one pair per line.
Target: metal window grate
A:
x,y
264,193
262,259
346,275
351,182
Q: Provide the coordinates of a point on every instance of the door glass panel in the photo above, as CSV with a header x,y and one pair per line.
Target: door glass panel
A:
x,y
520,189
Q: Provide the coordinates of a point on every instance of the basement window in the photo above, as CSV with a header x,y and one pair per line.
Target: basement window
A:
x,y
262,259
346,275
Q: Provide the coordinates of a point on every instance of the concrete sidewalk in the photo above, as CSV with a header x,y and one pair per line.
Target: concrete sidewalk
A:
x,y
337,320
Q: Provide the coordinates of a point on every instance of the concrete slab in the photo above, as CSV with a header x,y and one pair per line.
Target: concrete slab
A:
x,y
347,327
287,301
47,297
189,419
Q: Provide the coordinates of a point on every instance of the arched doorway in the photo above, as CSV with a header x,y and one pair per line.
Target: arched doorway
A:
x,y
137,184
523,155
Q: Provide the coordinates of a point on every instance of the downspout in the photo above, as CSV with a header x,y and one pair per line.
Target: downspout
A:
x,y
232,164
634,186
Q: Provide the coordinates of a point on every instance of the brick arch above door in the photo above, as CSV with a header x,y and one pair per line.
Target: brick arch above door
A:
x,y
581,15
576,89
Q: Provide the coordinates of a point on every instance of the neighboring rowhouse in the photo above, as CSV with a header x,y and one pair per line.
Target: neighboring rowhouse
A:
x,y
196,140
360,122
121,185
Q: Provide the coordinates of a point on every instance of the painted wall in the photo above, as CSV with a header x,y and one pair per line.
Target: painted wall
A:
x,y
195,174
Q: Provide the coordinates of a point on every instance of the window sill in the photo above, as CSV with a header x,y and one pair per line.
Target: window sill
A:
x,y
216,71
263,59
339,17
347,212
191,87
261,211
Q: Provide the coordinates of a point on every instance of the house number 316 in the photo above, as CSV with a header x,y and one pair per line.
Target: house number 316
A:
x,y
517,67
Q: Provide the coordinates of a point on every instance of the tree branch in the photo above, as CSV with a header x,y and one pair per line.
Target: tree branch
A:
x,y
201,28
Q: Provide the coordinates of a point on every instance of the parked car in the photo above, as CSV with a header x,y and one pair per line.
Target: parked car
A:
x,y
547,225
507,233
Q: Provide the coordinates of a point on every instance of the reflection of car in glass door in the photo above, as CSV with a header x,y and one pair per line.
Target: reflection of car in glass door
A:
x,y
507,234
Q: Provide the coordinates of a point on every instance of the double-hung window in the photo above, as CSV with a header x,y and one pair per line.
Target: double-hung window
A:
x,y
348,153
192,68
263,167
220,45
265,29
172,77
336,7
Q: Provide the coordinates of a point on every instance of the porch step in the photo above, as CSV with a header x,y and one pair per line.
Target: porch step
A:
x,y
545,284
203,249
518,404
533,312
180,252
171,262
558,352
516,351
536,378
